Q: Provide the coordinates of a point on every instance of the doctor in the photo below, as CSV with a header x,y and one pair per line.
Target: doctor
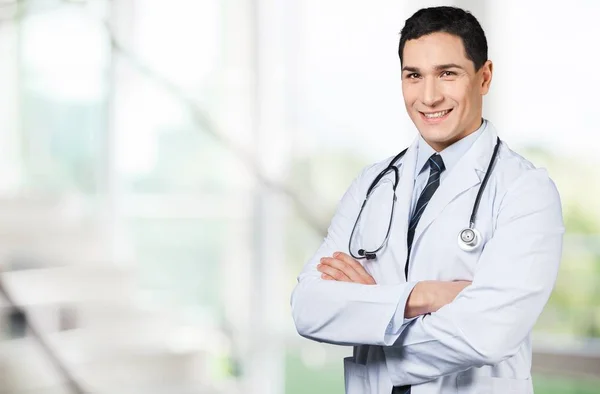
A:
x,y
438,278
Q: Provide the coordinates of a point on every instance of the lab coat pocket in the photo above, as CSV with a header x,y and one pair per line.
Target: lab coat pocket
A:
x,y
355,377
469,384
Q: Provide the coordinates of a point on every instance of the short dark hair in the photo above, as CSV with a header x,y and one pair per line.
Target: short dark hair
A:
x,y
451,20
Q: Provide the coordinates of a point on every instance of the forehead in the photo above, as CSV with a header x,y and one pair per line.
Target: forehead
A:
x,y
433,49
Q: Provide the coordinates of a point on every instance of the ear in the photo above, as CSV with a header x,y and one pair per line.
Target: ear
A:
x,y
486,77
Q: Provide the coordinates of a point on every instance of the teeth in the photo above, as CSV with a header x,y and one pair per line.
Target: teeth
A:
x,y
436,114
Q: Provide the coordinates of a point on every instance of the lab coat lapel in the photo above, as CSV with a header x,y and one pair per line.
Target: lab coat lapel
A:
x,y
468,172
404,194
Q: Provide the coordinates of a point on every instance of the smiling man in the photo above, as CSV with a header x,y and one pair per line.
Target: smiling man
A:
x,y
445,73
438,294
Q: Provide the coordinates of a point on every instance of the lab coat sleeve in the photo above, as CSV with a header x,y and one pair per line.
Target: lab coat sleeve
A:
x,y
340,312
489,320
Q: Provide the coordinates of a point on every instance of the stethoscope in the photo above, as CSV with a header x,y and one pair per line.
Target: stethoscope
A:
x,y
469,238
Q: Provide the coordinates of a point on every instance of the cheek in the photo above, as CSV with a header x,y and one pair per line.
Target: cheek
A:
x,y
458,97
461,93
410,94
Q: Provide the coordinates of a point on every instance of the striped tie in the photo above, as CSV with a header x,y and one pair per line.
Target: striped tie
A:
x,y
436,166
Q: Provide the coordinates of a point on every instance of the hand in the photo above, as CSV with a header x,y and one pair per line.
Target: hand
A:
x,y
430,295
344,268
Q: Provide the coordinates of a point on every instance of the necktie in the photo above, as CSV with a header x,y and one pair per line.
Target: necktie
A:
x,y
401,390
436,166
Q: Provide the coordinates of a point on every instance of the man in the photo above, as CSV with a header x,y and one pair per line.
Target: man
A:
x,y
425,313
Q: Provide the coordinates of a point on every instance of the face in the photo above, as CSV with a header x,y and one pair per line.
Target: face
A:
x,y
442,92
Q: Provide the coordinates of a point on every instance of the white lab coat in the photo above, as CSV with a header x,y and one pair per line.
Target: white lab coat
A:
x,y
480,343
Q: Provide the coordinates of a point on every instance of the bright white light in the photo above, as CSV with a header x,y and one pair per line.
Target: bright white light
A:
x,y
65,54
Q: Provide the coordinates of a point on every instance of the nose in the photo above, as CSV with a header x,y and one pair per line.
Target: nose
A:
x,y
431,95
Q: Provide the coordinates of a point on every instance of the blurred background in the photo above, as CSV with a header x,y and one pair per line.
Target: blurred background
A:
x,y
167,167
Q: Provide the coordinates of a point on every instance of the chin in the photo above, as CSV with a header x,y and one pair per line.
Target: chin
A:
x,y
438,135
436,132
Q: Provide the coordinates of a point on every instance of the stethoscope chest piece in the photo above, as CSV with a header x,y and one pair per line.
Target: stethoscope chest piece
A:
x,y
469,239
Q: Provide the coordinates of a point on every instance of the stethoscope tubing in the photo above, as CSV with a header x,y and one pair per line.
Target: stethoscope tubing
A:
x,y
467,246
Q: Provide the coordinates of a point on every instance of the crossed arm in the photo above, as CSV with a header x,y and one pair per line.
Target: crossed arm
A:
x,y
458,325
425,297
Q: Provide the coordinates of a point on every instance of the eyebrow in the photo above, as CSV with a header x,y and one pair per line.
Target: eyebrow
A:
x,y
437,67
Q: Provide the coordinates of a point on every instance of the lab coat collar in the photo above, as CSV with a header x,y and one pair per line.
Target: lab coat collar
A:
x,y
451,155
469,172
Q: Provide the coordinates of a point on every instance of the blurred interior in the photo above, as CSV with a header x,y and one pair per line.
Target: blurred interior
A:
x,y
167,167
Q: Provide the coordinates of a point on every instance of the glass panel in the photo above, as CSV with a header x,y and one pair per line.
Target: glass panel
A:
x,y
64,63
182,258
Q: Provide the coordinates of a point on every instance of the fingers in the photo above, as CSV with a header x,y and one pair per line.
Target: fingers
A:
x,y
344,268
333,269
356,266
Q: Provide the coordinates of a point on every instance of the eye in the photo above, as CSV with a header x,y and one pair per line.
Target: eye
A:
x,y
448,73
412,76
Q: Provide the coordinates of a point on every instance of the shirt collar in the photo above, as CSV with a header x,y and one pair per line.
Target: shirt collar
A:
x,y
451,155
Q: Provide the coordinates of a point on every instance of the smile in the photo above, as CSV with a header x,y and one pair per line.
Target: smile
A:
x,y
438,114
435,117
